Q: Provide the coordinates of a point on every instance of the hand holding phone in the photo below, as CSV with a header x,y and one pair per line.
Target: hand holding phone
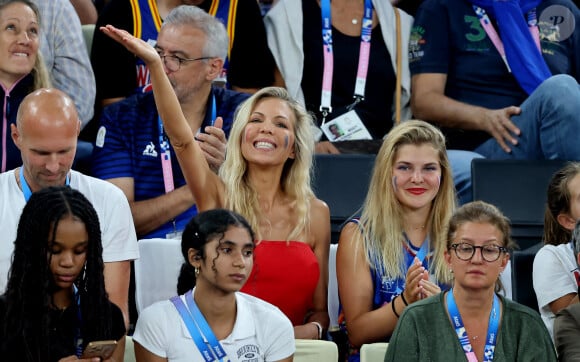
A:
x,y
102,349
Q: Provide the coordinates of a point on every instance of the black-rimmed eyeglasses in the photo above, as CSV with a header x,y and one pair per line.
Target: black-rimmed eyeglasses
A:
x,y
173,62
489,253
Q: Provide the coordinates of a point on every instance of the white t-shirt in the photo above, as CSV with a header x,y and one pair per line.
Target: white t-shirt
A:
x,y
555,275
117,229
261,333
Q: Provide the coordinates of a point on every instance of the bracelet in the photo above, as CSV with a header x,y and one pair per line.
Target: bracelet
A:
x,y
403,298
319,328
393,306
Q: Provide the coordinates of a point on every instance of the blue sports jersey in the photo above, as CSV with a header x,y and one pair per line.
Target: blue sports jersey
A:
x,y
128,146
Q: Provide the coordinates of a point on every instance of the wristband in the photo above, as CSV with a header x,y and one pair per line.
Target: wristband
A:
x,y
319,328
403,298
393,306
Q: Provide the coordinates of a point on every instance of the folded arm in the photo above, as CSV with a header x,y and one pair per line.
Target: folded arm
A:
x,y
429,102
148,215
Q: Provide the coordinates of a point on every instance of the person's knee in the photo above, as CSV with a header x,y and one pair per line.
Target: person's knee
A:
x,y
461,169
461,160
561,89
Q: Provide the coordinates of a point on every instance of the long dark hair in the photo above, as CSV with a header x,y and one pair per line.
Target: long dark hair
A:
x,y
200,230
558,200
29,291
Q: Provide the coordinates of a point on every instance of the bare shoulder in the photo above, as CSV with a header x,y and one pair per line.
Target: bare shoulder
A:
x,y
319,223
349,236
319,209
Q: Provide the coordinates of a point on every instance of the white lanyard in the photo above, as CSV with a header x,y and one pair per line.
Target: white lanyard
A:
x,y
363,60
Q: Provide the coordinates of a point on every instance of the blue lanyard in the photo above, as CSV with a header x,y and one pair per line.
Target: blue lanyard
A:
x,y
199,329
421,254
363,60
213,111
26,189
492,327
78,341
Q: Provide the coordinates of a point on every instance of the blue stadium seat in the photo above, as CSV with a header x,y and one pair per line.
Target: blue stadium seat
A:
x,y
342,181
518,188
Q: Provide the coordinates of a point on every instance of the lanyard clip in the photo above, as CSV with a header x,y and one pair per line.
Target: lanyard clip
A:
x,y
357,100
325,112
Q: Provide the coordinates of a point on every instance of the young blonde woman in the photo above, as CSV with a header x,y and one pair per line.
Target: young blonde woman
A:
x,y
395,251
265,178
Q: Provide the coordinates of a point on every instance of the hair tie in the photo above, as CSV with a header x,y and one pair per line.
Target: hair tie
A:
x,y
393,306
403,298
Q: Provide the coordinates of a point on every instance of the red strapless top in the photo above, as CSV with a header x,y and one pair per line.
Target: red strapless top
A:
x,y
285,274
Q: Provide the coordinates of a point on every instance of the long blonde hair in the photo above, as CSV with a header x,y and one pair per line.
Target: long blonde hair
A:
x,y
382,220
40,73
240,196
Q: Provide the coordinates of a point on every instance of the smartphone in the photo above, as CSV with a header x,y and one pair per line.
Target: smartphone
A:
x,y
103,349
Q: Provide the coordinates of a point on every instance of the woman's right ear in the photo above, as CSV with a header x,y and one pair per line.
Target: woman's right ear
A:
x,y
193,257
566,221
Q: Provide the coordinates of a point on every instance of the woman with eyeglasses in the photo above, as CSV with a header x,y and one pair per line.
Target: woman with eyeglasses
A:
x,y
472,321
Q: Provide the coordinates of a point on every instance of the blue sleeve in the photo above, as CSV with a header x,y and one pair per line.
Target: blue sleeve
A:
x,y
111,154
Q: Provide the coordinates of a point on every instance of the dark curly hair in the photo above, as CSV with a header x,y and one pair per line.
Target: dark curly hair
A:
x,y
29,292
200,230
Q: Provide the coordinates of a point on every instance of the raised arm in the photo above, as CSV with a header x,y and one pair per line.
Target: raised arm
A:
x,y
206,187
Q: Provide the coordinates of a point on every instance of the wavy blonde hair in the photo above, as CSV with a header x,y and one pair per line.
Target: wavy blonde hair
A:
x,y
382,220
241,196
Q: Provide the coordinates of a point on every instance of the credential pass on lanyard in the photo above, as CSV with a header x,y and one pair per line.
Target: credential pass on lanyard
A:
x,y
198,328
26,189
494,37
492,327
363,58
166,150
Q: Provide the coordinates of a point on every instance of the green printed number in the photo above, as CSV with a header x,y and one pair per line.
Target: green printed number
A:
x,y
478,33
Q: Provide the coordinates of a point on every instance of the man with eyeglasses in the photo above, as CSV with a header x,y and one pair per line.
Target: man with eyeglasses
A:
x,y
132,150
